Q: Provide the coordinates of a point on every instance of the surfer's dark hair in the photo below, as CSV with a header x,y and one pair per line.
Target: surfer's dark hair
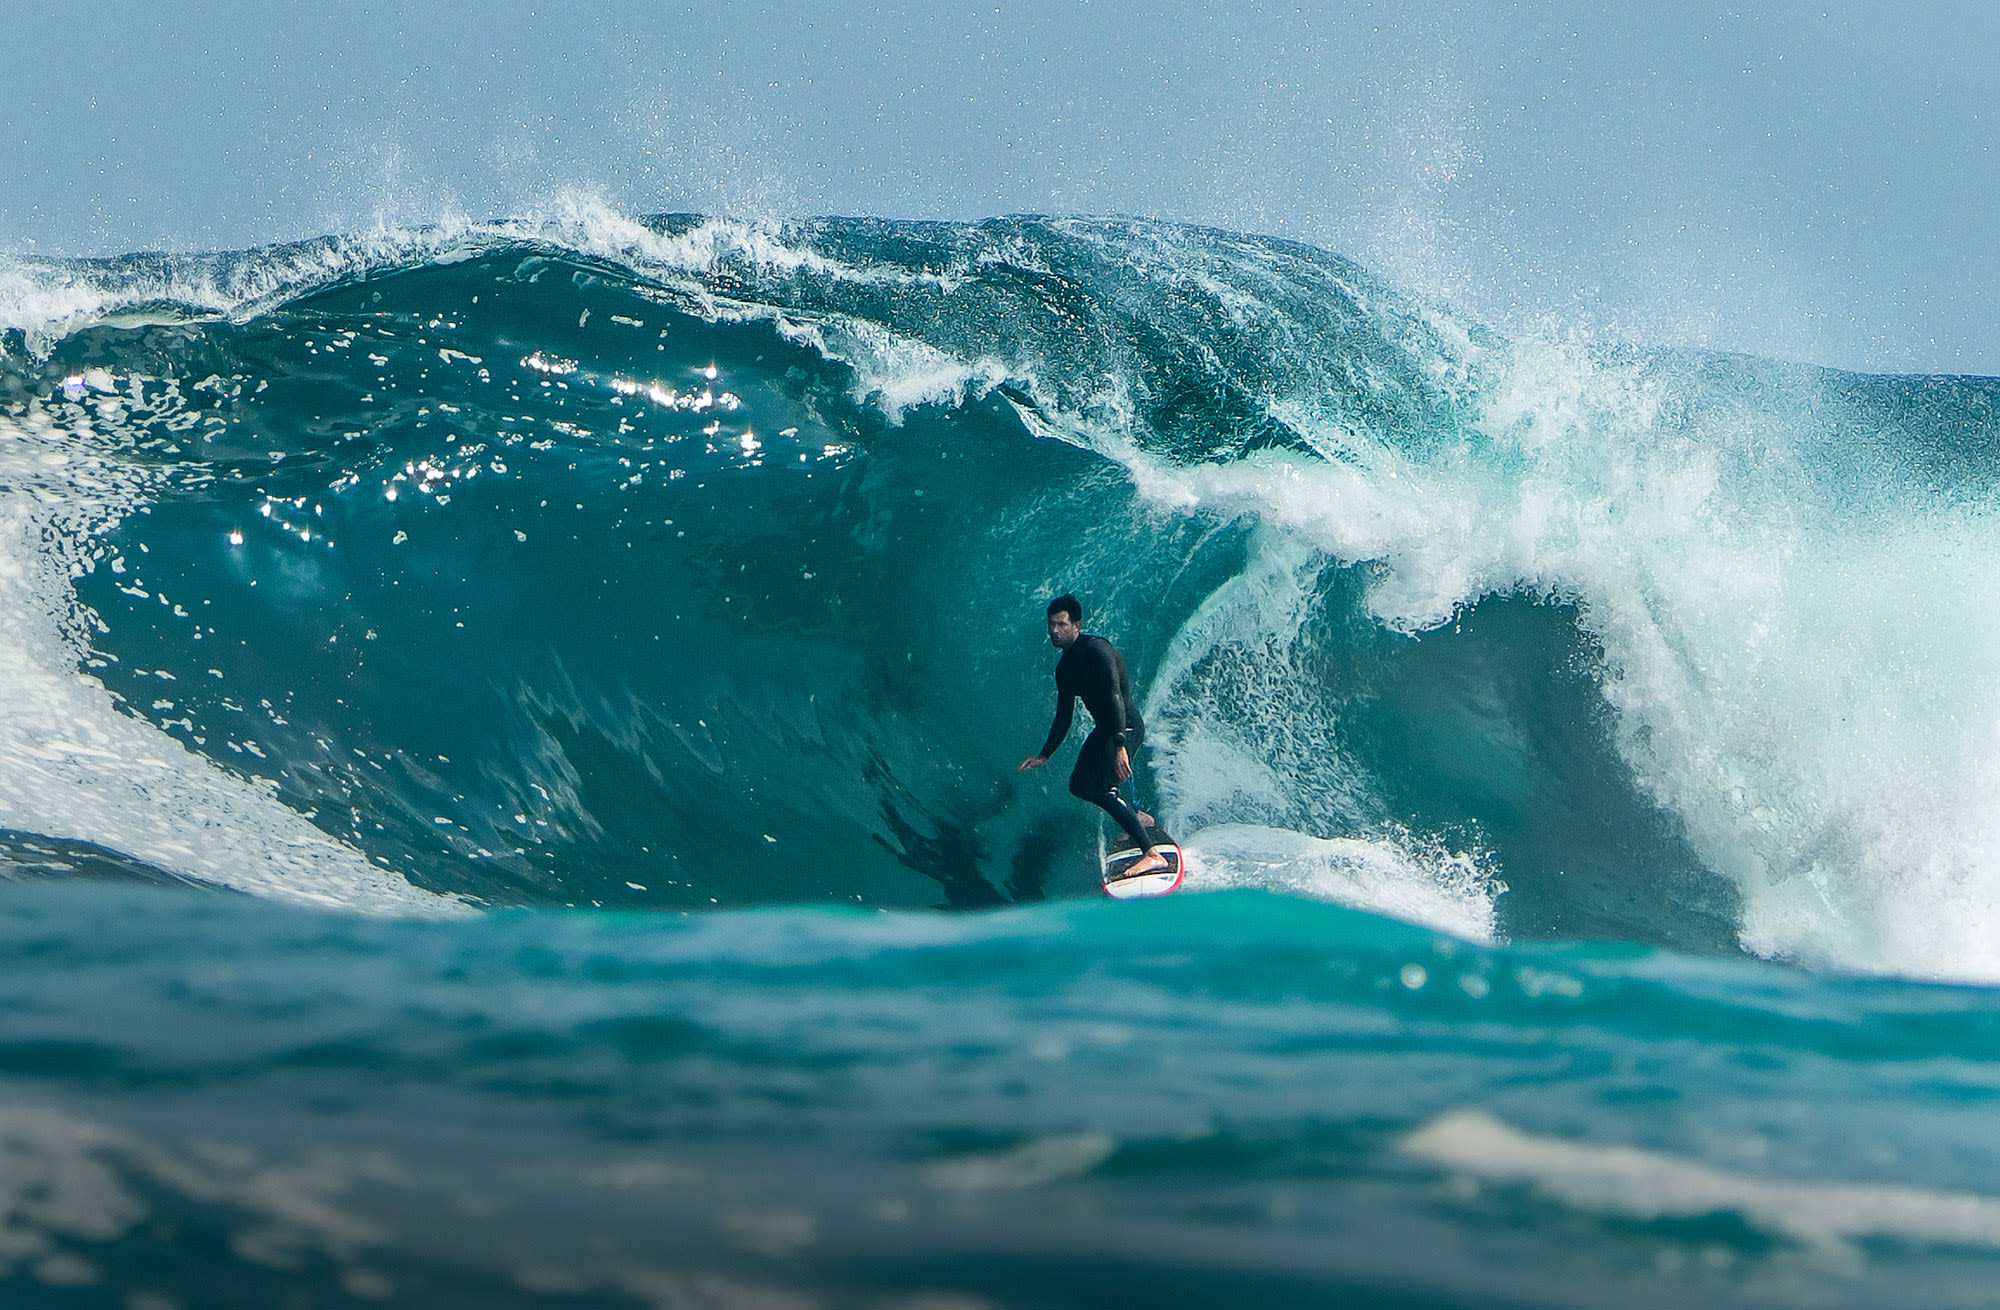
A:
x,y
1067,604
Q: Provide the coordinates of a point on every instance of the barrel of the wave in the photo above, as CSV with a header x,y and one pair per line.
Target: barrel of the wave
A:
x,y
1124,853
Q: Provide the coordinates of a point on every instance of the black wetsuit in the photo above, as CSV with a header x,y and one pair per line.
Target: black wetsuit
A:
x,y
1093,669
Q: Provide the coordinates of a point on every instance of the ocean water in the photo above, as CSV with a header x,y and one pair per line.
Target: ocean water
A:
x,y
507,786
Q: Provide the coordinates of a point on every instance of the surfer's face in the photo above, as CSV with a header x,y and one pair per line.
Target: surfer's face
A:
x,y
1063,631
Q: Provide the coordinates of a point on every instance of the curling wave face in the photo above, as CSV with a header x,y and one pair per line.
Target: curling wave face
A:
x,y
688,562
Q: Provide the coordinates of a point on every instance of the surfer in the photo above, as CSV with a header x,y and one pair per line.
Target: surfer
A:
x,y
1092,668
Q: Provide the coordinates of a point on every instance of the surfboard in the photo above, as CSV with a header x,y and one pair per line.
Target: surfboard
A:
x,y
1123,854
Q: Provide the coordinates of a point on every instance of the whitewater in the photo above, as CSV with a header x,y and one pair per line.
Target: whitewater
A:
x,y
625,628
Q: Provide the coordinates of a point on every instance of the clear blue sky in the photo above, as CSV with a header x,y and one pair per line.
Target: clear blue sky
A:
x,y
1807,181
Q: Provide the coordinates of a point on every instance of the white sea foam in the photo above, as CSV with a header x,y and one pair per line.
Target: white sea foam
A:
x,y
1031,1164
1228,742
1800,661
73,766
1652,1185
48,299
1432,888
894,372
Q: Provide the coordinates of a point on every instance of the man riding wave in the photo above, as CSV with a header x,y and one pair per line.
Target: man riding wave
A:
x,y
1092,668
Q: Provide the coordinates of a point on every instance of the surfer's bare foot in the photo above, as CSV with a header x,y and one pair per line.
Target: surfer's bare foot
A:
x,y
1145,818
1150,862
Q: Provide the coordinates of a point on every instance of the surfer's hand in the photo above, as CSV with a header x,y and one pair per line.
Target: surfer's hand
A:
x,y
1032,762
1121,764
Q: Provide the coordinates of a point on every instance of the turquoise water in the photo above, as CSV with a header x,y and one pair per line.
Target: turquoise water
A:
x,y
600,649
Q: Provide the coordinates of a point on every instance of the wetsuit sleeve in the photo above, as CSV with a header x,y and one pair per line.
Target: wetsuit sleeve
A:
x,y
1065,710
1111,672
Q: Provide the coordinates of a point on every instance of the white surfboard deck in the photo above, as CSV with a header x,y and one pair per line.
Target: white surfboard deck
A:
x,y
1123,855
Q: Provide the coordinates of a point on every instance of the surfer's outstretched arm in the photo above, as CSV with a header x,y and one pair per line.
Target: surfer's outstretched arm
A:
x,y
1065,707
1065,711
